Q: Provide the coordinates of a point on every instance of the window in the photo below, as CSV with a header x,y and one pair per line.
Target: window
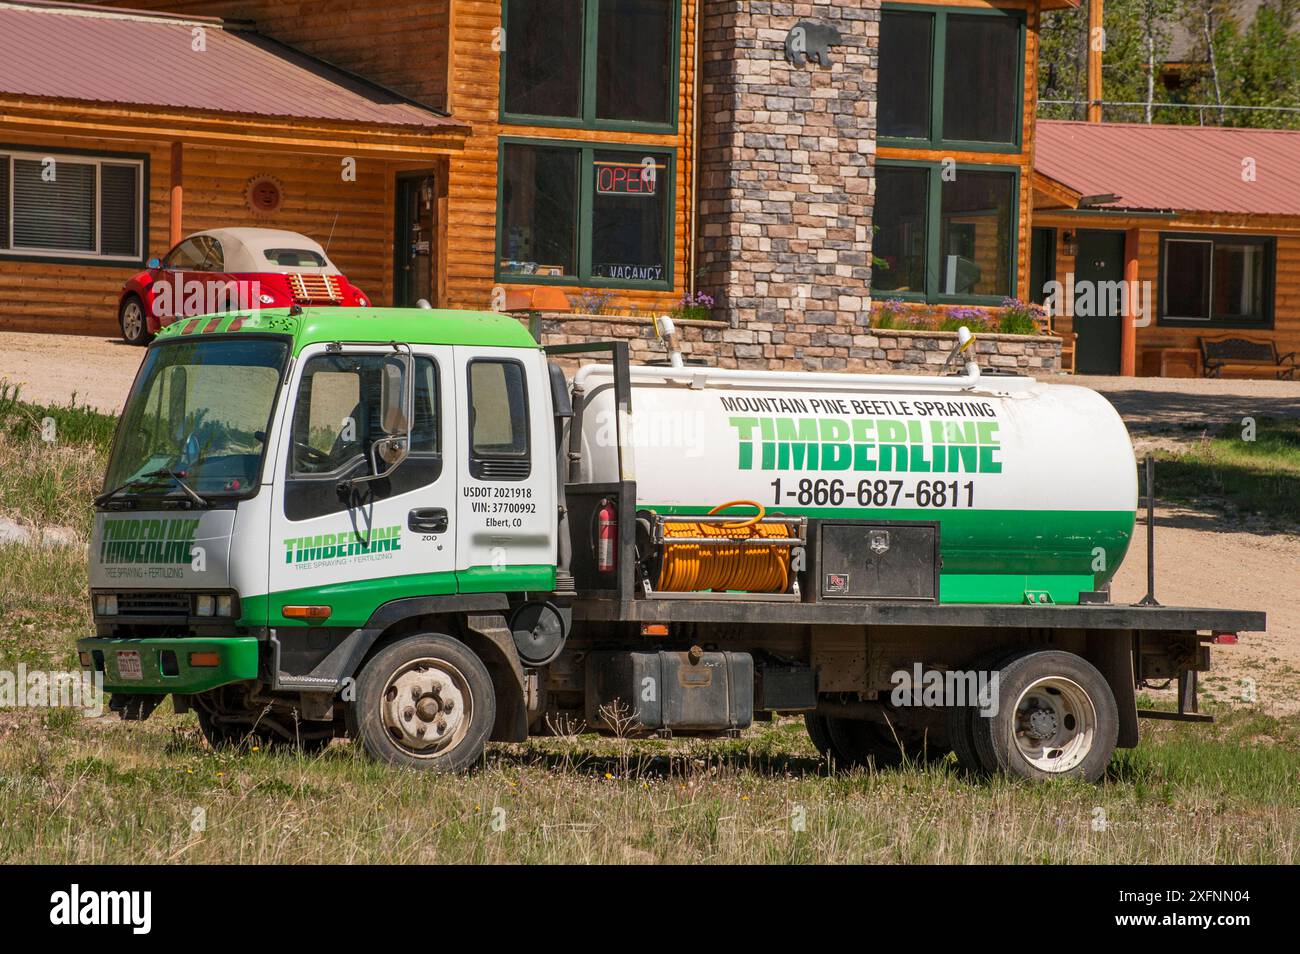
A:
x,y
295,258
945,236
952,78
543,68
1224,280
189,256
976,234
71,207
338,416
585,215
540,211
905,58
902,208
498,422
592,63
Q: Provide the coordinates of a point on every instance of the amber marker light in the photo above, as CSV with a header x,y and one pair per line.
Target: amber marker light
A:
x,y
313,613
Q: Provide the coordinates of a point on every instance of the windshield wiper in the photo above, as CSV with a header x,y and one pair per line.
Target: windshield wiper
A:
x,y
108,495
141,478
189,491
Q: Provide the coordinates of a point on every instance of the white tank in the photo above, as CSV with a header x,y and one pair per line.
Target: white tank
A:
x,y
1034,486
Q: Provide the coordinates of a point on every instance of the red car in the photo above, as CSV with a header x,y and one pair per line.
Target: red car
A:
x,y
231,270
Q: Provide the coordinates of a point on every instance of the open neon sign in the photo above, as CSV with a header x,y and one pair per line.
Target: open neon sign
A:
x,y
626,178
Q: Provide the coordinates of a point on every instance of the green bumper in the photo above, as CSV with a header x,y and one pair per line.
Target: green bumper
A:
x,y
236,662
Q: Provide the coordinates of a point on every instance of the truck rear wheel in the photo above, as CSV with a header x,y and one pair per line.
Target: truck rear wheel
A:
x,y
427,702
862,741
962,721
1056,718
819,732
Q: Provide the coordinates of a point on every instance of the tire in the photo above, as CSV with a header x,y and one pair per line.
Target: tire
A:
x,y
819,732
133,321
445,724
861,742
223,735
1056,718
962,721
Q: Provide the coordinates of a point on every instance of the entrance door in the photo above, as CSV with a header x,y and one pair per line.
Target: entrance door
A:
x,y
1098,270
352,549
416,241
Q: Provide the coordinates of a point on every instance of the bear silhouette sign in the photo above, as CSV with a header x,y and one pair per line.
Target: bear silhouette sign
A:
x,y
811,41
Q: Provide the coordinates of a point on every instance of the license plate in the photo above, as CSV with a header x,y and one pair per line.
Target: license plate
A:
x,y
128,665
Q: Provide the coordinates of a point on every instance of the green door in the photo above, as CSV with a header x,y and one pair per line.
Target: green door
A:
x,y
1097,318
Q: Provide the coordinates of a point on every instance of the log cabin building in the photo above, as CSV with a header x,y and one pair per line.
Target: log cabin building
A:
x,y
789,160
1204,221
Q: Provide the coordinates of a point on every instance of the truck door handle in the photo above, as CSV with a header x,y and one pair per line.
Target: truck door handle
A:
x,y
427,520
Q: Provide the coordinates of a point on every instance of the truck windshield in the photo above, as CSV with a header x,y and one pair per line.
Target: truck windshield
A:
x,y
198,415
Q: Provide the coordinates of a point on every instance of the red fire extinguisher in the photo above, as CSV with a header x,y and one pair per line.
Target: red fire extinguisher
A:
x,y
606,537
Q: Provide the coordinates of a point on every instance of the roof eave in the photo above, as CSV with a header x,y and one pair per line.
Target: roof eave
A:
x,y
1057,194
228,129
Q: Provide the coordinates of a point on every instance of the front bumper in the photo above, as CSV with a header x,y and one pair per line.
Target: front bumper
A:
x,y
165,666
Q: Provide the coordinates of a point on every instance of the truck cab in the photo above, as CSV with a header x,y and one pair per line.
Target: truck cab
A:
x,y
277,478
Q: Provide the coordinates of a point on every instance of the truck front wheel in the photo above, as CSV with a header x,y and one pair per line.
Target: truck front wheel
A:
x,y
1056,718
427,702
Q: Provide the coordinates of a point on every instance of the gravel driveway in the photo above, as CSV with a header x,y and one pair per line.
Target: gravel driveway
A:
x,y
52,368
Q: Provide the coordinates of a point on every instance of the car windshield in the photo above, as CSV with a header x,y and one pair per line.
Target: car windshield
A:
x,y
295,258
200,409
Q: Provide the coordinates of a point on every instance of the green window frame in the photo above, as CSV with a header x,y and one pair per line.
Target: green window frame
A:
x,y
938,54
585,214
1267,246
934,229
589,63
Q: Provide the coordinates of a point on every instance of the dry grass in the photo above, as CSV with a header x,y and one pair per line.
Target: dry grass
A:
x,y
97,791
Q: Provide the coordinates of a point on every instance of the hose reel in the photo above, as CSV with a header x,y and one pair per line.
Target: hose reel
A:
x,y
717,553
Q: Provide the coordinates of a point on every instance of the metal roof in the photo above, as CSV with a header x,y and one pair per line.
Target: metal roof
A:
x,y
1174,168
127,57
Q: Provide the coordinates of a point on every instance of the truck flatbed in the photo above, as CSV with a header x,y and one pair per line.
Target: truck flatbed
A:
x,y
1094,616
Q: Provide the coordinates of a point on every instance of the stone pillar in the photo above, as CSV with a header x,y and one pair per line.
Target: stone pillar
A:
x,y
787,170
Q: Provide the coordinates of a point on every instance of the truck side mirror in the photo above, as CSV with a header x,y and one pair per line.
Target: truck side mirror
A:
x,y
396,403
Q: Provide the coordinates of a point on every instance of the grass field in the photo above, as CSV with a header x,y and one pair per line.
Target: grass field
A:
x,y
1260,476
102,791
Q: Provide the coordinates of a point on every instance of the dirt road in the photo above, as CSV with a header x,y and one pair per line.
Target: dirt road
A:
x,y
50,369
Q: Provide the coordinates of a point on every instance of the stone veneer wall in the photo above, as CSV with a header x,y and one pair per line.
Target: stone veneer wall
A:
x,y
786,184
868,349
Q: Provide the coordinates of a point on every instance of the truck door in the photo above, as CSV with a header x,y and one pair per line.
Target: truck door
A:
x,y
505,540
352,547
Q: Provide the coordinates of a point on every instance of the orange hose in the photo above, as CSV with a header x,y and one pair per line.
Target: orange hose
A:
x,y
692,567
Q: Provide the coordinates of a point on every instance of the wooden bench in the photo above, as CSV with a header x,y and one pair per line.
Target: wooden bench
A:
x,y
1219,353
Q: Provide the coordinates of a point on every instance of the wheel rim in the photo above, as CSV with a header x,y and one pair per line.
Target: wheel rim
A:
x,y
1055,724
427,707
132,320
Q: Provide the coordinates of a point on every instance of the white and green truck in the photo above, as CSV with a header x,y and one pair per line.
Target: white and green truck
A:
x,y
414,528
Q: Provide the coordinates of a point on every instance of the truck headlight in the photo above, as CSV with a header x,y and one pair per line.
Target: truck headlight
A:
x,y
214,604
105,604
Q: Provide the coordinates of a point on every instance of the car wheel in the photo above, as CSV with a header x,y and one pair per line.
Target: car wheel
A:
x,y
133,322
